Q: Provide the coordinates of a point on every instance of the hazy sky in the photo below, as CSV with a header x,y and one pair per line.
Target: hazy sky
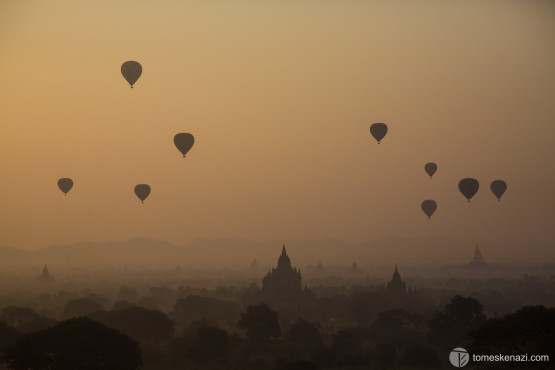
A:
x,y
279,96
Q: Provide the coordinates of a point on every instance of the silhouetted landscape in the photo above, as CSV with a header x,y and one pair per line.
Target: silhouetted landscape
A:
x,y
256,316
277,185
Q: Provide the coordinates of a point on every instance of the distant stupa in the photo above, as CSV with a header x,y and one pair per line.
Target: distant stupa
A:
x,y
396,285
320,268
354,267
254,265
45,276
478,259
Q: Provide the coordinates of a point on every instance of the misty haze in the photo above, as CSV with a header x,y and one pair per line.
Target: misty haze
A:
x,y
278,186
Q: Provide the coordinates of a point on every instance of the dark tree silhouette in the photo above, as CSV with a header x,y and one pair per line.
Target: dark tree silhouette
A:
x,y
44,300
300,365
346,346
79,343
164,296
260,322
139,323
384,355
8,335
17,317
103,302
24,319
398,327
63,296
530,330
304,333
122,305
128,294
148,302
80,307
208,343
194,308
419,356
449,329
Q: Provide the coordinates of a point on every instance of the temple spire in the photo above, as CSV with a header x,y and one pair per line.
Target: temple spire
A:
x,y
45,276
396,285
396,274
284,261
477,255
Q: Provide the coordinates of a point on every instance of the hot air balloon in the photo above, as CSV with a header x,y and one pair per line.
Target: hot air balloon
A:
x,y
468,187
378,130
131,71
429,207
142,191
498,188
430,168
184,142
65,184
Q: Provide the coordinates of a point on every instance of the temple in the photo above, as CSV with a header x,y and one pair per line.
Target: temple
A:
x,y
45,276
283,283
320,268
478,260
254,266
396,285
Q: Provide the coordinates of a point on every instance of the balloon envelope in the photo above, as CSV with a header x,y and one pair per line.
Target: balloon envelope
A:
x,y
142,191
378,131
65,184
498,188
429,207
468,187
184,142
131,71
430,168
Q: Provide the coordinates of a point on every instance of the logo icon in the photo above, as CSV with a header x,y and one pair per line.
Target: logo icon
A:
x,y
459,357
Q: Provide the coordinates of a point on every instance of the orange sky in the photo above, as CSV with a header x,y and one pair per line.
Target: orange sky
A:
x,y
279,97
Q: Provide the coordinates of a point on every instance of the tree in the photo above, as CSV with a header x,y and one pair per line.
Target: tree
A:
x,y
122,305
420,356
44,300
194,307
148,302
8,335
139,323
164,296
63,296
449,328
103,302
300,365
127,294
202,341
80,307
346,347
384,355
304,332
364,306
260,322
25,320
398,327
529,330
209,342
17,317
78,343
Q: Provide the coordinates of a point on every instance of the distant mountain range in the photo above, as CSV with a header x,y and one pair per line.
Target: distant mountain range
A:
x,y
239,253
